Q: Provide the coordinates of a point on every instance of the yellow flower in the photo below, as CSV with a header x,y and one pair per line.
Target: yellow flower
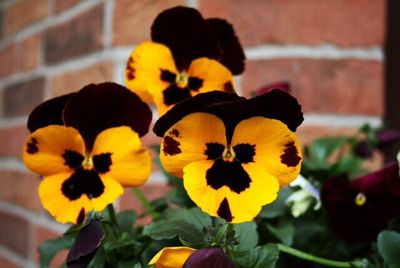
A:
x,y
187,56
171,257
233,156
86,165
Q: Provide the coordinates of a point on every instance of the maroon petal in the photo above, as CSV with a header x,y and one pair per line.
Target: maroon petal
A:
x,y
48,113
275,104
187,35
192,105
85,246
232,53
212,257
98,107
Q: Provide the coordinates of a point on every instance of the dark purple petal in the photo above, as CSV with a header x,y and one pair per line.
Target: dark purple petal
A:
x,y
362,222
363,149
187,35
85,246
275,104
284,86
48,113
387,137
192,105
98,107
212,257
232,53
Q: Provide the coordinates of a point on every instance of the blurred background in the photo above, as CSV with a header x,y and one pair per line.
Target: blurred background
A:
x,y
331,52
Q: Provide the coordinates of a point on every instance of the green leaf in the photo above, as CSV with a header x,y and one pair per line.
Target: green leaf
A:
x,y
126,219
320,149
278,207
389,248
284,233
247,236
260,257
50,248
193,216
349,164
168,229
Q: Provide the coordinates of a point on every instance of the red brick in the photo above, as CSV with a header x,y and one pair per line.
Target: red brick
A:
x,y
12,140
62,5
307,134
22,13
41,234
29,53
343,22
20,188
133,19
4,262
79,36
7,56
14,233
20,98
75,80
324,86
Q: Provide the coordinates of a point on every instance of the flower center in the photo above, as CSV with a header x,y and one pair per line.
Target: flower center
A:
x,y
182,80
228,154
360,199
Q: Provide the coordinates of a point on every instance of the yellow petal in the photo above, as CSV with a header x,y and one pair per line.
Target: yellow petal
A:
x,y
57,204
214,75
171,257
222,201
277,149
143,71
130,161
112,190
44,150
187,140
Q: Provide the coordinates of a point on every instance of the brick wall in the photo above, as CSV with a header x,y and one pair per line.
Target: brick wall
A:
x,y
330,51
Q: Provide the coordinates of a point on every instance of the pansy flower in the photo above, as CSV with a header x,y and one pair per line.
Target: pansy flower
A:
x,y
359,209
178,257
86,146
232,153
187,55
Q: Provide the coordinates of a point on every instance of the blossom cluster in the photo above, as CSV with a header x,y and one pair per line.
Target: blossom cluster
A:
x,y
232,155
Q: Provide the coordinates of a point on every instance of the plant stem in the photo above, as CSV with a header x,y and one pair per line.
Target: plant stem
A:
x,y
113,219
145,203
312,258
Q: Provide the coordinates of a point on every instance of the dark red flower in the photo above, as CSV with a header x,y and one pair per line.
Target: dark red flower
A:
x,y
358,210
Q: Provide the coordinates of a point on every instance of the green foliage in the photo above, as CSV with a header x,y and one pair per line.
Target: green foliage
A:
x,y
49,249
260,257
389,248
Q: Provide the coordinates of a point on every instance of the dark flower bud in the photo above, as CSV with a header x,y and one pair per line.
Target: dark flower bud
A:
x,y
363,149
212,257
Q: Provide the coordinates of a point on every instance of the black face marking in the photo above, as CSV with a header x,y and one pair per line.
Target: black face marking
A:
x,y
102,162
81,216
224,211
230,174
167,76
214,150
174,132
130,71
31,147
195,83
82,182
174,94
290,155
228,87
171,146
245,152
73,159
